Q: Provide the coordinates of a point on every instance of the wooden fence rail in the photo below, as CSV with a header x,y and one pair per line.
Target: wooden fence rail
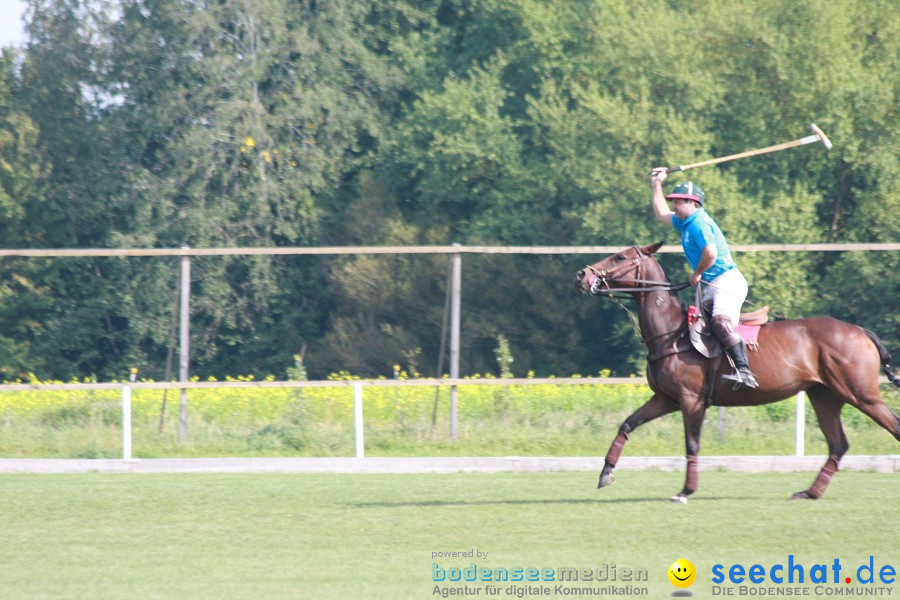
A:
x,y
453,249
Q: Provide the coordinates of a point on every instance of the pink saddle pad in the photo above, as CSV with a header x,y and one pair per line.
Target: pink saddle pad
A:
x,y
750,333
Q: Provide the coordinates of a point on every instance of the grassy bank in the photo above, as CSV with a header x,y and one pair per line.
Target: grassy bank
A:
x,y
552,420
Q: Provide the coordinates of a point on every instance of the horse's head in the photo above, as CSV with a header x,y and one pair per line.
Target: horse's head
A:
x,y
622,270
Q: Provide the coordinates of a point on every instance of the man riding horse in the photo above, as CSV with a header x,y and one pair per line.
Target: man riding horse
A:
x,y
708,254
834,362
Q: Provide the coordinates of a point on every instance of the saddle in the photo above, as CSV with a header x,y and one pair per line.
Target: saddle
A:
x,y
703,340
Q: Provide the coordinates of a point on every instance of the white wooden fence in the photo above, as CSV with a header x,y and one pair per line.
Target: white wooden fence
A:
x,y
358,385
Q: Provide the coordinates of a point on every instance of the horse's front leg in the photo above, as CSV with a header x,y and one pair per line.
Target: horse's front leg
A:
x,y
655,407
693,412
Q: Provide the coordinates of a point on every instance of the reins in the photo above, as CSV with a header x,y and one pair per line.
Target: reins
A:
x,y
656,286
650,285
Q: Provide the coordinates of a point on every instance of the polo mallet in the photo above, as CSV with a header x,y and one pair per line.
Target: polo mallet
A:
x,y
818,136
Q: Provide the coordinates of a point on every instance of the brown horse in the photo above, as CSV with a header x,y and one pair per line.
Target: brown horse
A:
x,y
834,362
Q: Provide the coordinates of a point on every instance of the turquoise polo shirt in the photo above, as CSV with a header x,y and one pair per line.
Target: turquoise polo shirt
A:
x,y
698,231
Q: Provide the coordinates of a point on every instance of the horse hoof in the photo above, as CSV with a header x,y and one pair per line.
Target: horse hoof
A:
x,y
679,499
605,480
804,495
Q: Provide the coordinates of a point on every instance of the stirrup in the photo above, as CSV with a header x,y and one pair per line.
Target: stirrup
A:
x,y
740,379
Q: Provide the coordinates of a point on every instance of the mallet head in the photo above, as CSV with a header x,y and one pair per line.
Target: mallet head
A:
x,y
822,137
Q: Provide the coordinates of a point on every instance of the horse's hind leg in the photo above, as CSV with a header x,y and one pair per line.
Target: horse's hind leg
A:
x,y
828,406
881,414
874,406
654,408
858,387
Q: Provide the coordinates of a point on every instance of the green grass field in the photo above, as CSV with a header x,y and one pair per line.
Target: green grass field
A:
x,y
275,536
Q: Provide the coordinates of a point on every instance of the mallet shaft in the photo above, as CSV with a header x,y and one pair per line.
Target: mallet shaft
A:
x,y
818,136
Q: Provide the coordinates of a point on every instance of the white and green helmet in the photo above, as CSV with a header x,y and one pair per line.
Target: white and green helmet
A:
x,y
688,190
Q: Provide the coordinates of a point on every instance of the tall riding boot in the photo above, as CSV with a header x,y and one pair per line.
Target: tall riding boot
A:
x,y
734,345
743,377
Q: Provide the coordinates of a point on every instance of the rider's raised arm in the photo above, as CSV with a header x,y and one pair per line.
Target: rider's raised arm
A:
x,y
660,208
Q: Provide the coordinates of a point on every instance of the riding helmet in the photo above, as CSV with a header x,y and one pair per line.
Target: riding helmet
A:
x,y
689,190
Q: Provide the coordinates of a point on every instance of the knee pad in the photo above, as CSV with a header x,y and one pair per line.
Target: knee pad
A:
x,y
724,330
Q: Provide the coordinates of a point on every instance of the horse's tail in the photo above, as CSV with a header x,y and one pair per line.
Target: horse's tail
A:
x,y
885,358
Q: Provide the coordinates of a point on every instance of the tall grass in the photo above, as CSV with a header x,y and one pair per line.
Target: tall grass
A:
x,y
545,419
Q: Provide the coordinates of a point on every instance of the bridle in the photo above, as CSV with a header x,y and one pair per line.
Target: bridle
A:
x,y
602,279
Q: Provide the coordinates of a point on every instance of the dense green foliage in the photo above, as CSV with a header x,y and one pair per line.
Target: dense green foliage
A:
x,y
130,123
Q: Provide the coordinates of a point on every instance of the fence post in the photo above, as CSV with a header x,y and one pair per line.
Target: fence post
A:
x,y
185,342
358,420
455,302
126,422
800,434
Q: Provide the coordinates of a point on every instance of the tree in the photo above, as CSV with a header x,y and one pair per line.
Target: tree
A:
x,y
278,122
23,171
214,124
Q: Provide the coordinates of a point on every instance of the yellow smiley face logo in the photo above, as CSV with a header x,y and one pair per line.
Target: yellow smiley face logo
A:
x,y
682,573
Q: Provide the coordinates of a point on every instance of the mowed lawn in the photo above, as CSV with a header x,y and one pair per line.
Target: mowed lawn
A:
x,y
258,536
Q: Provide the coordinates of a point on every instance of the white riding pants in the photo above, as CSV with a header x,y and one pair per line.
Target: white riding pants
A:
x,y
727,293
